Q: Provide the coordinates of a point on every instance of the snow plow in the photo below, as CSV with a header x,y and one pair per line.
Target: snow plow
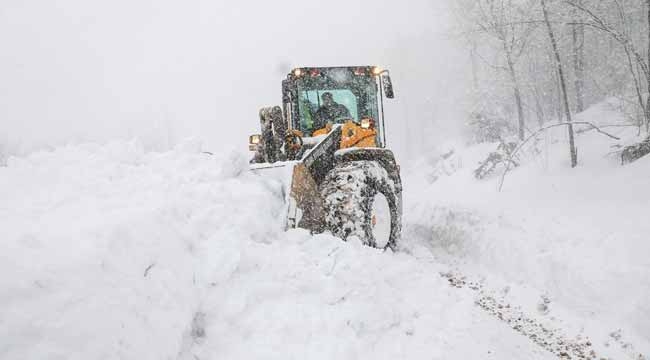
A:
x,y
327,146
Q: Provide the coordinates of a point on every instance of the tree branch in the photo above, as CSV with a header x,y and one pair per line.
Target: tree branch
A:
x,y
539,131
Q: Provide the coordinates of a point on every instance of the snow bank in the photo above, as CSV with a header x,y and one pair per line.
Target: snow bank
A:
x,y
112,252
579,236
316,297
104,248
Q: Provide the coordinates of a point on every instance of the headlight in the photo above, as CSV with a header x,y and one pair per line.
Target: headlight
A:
x,y
297,72
253,142
377,70
367,124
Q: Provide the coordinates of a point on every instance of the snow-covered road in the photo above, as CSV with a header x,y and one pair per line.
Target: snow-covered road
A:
x,y
111,252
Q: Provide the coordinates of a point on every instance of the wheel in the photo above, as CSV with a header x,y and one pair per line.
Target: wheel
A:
x,y
363,201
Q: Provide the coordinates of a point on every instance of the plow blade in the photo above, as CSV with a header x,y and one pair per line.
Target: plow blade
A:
x,y
301,180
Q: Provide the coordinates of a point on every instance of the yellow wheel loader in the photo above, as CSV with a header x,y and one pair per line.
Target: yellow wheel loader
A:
x,y
327,145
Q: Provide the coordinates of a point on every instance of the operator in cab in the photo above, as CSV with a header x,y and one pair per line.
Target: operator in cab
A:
x,y
329,111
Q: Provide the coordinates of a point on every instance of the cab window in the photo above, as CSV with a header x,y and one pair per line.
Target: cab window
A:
x,y
311,101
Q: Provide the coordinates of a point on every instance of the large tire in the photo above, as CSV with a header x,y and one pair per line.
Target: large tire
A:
x,y
350,190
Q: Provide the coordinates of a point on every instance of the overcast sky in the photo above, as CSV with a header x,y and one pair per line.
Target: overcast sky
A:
x,y
86,70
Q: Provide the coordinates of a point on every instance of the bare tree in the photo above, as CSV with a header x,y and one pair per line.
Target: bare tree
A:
x,y
505,21
647,107
551,35
512,153
578,37
597,51
598,22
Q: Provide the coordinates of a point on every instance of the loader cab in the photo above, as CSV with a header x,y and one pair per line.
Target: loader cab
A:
x,y
359,89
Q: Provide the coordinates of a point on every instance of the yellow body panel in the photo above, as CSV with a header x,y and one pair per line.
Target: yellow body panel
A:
x,y
324,131
352,135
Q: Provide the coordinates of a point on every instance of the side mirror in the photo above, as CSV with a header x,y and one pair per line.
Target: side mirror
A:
x,y
387,85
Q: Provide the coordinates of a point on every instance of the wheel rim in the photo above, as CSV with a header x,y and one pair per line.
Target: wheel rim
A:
x,y
380,221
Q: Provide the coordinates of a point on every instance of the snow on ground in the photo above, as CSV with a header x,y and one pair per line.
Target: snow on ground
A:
x,y
310,297
111,252
102,247
577,237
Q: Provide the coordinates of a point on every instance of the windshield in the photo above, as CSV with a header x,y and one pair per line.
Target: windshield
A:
x,y
334,97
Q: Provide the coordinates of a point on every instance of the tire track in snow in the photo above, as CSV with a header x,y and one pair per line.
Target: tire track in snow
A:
x,y
550,339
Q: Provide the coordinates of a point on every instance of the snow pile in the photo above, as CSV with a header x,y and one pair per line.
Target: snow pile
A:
x,y
112,252
104,247
310,297
109,251
578,236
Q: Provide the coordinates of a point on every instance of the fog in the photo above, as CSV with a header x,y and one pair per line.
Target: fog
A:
x,y
79,70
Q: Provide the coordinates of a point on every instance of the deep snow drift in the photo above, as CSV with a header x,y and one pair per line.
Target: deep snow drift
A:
x,y
577,237
109,251
103,247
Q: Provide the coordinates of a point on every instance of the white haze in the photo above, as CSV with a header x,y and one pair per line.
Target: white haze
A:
x,y
79,70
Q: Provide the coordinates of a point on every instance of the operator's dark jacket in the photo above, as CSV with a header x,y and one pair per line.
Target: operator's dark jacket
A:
x,y
330,113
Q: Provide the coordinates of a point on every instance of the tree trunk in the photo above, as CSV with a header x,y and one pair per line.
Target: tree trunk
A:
x,y
647,109
475,80
517,93
578,31
537,93
560,104
647,113
572,147
637,86
539,108
648,9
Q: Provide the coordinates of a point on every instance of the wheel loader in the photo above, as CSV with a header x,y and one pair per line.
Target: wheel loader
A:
x,y
327,146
